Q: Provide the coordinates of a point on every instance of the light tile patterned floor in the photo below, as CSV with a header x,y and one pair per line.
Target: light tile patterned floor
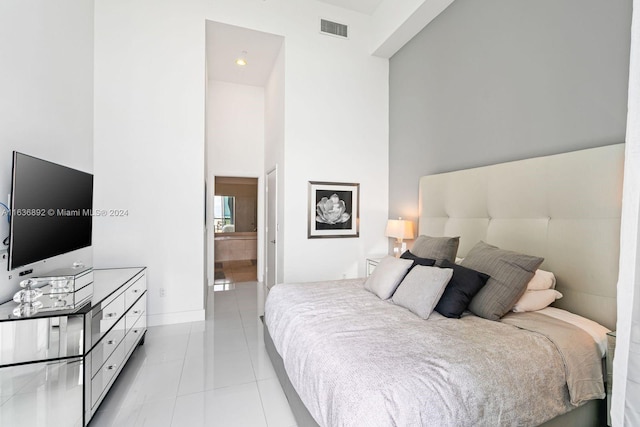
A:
x,y
236,271
210,373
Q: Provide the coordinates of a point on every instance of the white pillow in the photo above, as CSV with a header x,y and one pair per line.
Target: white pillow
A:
x,y
536,300
421,290
542,280
387,276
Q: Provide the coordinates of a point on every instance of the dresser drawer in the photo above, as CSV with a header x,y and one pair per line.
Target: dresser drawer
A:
x,y
106,373
135,312
106,346
136,332
135,290
106,318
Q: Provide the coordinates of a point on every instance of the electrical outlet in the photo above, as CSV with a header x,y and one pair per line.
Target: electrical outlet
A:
x,y
163,292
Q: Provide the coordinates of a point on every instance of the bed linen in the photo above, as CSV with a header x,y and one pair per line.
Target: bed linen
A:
x,y
580,353
357,360
596,330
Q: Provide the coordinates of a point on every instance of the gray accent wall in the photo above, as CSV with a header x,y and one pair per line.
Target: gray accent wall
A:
x,y
499,80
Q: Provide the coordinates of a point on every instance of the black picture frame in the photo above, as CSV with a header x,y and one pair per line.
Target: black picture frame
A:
x,y
334,210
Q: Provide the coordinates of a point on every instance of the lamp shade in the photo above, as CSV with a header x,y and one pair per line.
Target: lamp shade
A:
x,y
400,229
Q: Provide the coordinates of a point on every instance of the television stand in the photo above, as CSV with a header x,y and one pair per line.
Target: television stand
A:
x,y
56,367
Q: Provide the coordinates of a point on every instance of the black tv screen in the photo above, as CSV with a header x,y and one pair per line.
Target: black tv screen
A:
x,y
50,210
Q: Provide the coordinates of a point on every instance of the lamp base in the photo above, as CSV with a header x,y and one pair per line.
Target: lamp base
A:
x,y
399,248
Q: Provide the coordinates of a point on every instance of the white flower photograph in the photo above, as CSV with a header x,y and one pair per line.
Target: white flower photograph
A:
x,y
333,209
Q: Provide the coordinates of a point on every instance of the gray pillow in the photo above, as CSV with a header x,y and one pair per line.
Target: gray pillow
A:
x,y
421,290
387,276
510,272
437,248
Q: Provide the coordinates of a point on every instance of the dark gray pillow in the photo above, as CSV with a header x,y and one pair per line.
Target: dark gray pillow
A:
x,y
509,274
437,248
460,290
427,262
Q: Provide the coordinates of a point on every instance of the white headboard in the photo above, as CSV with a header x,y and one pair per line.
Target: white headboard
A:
x,y
565,208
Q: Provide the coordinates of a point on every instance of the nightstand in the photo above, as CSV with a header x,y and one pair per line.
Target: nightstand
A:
x,y
611,348
372,263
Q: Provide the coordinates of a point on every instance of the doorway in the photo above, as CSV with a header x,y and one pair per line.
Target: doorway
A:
x,y
244,138
235,231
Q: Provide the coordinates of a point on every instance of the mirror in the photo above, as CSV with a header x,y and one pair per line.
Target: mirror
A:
x,y
235,205
224,219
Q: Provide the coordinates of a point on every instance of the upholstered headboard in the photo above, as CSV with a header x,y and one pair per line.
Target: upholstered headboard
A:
x,y
565,208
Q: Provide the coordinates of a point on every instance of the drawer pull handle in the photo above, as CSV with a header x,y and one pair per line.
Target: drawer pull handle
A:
x,y
112,367
135,331
111,342
135,291
136,312
109,315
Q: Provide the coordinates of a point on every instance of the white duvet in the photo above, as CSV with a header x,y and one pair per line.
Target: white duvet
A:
x,y
356,360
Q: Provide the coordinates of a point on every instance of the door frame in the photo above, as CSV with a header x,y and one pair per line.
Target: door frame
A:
x,y
261,202
274,170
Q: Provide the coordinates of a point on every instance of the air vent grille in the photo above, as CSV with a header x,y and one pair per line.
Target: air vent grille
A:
x,y
333,28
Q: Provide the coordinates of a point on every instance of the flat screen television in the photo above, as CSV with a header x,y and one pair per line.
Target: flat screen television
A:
x,y
50,210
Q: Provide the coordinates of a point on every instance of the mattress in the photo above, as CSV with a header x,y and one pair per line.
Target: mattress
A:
x,y
357,360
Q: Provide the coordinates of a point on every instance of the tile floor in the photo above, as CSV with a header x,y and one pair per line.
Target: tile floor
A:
x,y
235,271
210,373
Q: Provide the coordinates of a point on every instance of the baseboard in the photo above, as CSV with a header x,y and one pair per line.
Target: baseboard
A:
x,y
171,318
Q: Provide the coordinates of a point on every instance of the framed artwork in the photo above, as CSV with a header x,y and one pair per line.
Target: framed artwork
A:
x,y
334,209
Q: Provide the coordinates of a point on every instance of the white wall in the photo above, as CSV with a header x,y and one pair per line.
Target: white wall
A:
x,y
46,87
235,123
149,147
149,136
274,147
336,131
335,127
397,21
235,139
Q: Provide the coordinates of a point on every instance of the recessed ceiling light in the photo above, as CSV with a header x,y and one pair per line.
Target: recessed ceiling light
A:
x,y
242,59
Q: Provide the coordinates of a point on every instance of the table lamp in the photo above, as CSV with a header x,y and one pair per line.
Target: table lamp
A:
x,y
400,229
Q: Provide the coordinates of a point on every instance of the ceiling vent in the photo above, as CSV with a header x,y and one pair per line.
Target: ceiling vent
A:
x,y
334,29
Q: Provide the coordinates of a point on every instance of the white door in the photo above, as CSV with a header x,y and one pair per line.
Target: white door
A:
x,y
272,227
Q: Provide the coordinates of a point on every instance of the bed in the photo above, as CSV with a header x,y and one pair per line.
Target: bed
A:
x,y
346,357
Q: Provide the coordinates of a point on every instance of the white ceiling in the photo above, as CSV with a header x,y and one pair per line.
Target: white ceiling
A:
x,y
225,43
364,6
